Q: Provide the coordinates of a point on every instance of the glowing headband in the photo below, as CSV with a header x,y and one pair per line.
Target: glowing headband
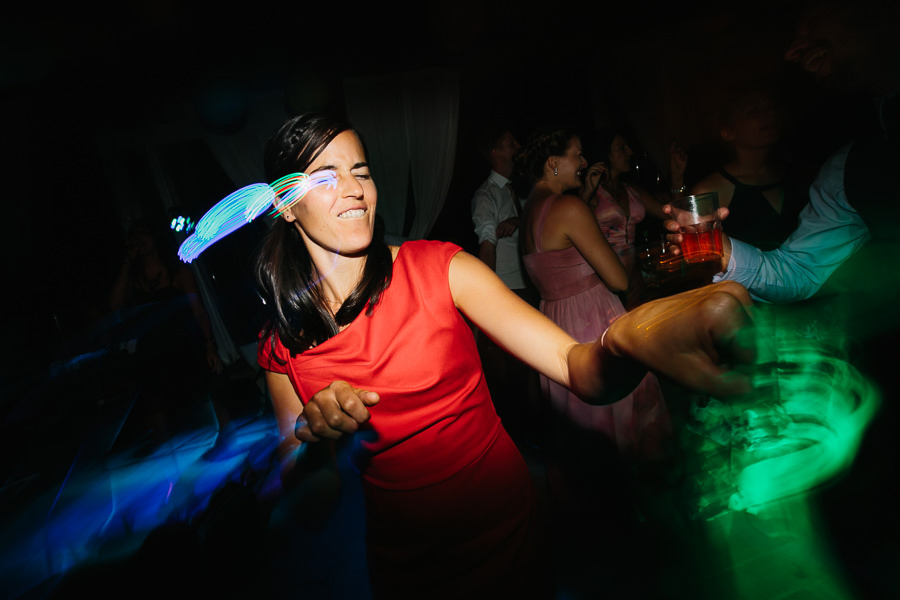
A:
x,y
240,207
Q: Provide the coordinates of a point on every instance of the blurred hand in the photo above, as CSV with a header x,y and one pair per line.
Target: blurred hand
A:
x,y
698,338
596,174
507,227
334,411
131,251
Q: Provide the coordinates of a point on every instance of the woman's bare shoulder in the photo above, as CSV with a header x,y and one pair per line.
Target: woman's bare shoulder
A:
x,y
570,203
714,182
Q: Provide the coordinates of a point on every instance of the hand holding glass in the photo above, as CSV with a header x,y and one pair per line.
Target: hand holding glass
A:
x,y
697,217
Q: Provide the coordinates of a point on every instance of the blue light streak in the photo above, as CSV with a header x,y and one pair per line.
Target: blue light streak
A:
x,y
246,204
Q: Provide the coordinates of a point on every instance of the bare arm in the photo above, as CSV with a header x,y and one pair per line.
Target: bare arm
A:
x,y
309,473
339,404
287,407
575,218
688,337
533,338
696,338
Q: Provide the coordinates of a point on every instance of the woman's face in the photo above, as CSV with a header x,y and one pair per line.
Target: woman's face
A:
x,y
140,244
570,164
338,220
620,154
756,124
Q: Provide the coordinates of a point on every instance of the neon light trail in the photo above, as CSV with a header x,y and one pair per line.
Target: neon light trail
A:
x,y
757,461
241,207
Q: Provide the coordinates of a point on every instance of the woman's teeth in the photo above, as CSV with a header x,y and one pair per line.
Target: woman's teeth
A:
x,y
352,214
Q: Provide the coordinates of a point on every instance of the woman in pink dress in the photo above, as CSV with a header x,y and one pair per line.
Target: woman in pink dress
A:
x,y
578,274
590,450
620,207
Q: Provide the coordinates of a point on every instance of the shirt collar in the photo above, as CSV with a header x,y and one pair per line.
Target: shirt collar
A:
x,y
498,179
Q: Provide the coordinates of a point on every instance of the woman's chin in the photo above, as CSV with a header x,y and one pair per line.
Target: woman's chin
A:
x,y
358,246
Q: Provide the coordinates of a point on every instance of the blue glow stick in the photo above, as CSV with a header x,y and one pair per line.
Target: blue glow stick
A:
x,y
291,188
240,207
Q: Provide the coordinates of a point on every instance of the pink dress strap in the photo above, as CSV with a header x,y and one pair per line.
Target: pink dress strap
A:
x,y
539,234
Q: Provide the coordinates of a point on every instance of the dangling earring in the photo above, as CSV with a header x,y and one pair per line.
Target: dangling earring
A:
x,y
555,171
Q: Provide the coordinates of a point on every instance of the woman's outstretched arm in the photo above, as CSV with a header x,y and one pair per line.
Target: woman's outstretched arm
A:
x,y
694,338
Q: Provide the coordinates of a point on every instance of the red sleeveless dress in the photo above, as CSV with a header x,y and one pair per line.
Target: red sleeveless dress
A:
x,y
450,504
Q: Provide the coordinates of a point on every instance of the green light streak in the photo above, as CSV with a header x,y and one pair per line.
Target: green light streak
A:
x,y
756,461
799,428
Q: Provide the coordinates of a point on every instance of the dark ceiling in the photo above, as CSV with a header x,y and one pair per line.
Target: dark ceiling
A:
x,y
69,70
129,59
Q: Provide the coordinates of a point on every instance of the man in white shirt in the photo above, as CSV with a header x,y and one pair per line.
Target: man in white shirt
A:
x,y
496,210
496,214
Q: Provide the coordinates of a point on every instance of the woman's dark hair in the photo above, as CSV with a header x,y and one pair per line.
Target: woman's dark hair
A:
x,y
294,306
540,146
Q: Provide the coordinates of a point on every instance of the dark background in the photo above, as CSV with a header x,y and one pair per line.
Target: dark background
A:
x,y
68,73
72,71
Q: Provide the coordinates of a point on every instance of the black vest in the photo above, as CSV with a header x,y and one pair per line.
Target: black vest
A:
x,y
868,283
872,188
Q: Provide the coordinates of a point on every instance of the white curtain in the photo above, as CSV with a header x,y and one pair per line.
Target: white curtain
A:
x,y
432,113
409,123
374,107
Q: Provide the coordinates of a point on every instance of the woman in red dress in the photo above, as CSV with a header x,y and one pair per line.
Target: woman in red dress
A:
x,y
368,339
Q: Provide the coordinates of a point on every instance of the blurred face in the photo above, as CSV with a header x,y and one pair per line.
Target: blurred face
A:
x,y
507,146
569,165
756,123
832,49
140,244
340,220
620,154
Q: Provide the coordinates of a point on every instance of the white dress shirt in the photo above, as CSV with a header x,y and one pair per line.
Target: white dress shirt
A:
x,y
492,203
